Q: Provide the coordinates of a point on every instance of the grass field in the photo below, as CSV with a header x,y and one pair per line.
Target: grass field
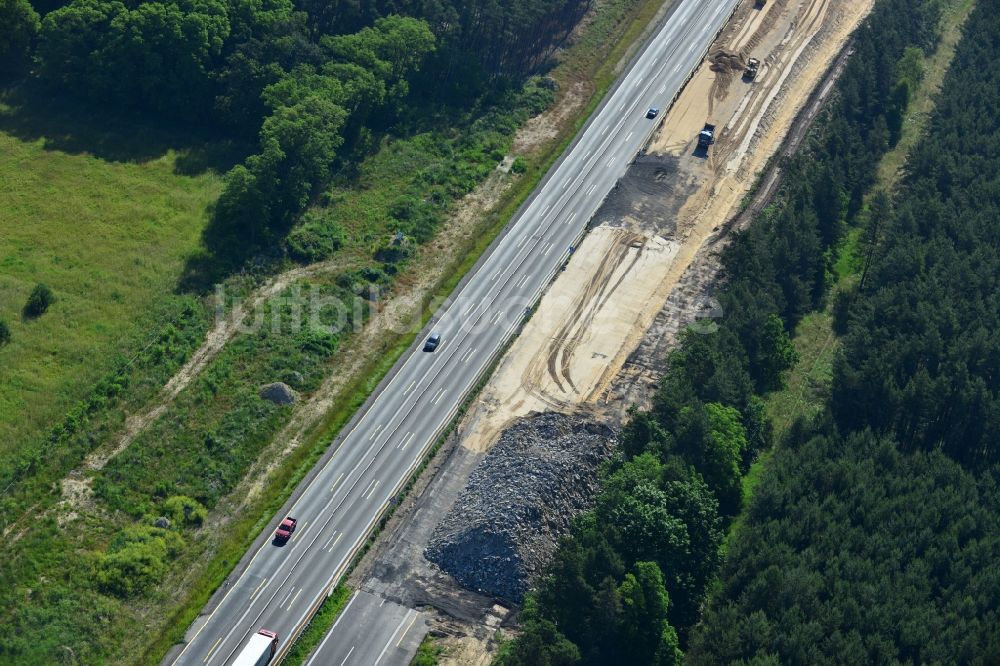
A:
x,y
109,231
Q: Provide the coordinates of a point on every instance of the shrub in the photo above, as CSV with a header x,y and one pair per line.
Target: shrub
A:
x,y
519,166
4,333
136,560
39,300
316,238
184,510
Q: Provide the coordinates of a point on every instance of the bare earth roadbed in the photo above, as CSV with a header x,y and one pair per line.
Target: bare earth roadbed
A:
x,y
645,237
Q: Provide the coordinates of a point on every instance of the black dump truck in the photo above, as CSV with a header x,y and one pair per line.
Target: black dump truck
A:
x,y
706,137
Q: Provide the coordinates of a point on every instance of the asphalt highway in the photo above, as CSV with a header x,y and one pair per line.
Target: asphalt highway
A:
x,y
283,584
393,637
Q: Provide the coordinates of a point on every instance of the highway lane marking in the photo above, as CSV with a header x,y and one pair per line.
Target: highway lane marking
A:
x,y
336,541
437,397
336,482
406,441
496,275
300,532
371,489
292,602
604,131
290,590
610,162
629,136
570,218
496,318
622,106
389,642
375,432
591,190
319,650
211,650
407,630
254,593
350,652
663,89
522,281
410,387
546,209
468,355
327,544
548,248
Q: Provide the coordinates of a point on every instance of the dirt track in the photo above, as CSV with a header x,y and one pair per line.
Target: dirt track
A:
x,y
595,315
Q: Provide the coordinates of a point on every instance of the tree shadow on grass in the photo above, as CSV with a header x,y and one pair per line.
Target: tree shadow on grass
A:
x,y
33,113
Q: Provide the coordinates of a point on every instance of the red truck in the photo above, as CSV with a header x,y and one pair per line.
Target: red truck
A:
x,y
285,529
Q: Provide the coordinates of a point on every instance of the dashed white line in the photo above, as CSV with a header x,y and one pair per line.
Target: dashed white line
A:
x,y
349,653
570,218
329,541
336,482
629,136
375,432
468,355
611,161
410,387
591,190
406,441
548,248
336,541
292,602
437,397
371,489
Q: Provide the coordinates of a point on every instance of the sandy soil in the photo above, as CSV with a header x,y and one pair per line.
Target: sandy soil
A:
x,y
581,335
571,348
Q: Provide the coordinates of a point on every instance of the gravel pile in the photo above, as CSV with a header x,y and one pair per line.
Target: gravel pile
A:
x,y
503,528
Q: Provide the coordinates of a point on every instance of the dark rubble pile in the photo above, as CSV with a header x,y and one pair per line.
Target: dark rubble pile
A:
x,y
503,529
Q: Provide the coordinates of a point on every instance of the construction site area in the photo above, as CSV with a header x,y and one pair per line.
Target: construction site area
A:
x,y
597,343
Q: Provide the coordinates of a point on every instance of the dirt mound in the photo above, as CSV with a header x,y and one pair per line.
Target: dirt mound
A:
x,y
504,526
724,60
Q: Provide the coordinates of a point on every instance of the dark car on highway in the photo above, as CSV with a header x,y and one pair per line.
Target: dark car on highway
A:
x,y
432,342
652,113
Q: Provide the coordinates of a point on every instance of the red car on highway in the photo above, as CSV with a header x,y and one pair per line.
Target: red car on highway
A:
x,y
285,529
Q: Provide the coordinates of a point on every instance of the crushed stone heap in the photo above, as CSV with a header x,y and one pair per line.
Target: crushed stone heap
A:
x,y
504,527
